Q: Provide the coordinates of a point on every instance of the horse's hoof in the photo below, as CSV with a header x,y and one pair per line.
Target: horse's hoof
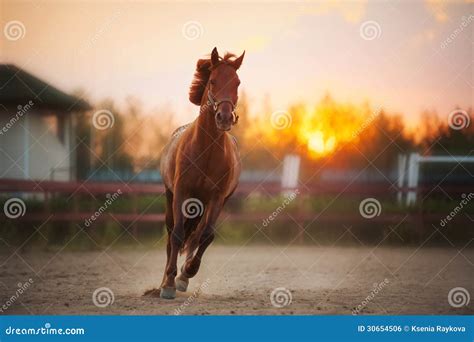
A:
x,y
181,284
168,293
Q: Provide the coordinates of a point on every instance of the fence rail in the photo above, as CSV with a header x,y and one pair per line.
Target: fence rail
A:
x,y
270,189
245,189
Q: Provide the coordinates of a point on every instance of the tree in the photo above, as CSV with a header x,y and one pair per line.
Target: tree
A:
x,y
109,141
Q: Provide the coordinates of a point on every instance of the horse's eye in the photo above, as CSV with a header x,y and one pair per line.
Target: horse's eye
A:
x,y
213,82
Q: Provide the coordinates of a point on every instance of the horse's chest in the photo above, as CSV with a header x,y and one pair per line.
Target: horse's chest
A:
x,y
207,185
203,181
210,179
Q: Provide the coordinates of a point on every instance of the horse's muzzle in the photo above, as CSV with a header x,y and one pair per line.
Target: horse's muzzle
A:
x,y
224,120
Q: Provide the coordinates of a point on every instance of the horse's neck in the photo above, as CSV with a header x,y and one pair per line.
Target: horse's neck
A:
x,y
206,133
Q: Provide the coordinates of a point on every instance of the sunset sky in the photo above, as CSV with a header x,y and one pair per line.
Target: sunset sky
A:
x,y
296,52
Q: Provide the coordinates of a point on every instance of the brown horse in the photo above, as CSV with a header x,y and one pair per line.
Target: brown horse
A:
x,y
200,168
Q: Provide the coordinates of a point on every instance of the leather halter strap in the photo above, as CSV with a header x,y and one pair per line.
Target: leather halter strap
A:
x,y
216,103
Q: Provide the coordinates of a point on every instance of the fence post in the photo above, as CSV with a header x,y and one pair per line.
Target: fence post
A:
x,y
135,213
291,170
289,182
413,170
402,164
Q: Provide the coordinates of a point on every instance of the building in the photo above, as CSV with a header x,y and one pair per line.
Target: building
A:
x,y
37,127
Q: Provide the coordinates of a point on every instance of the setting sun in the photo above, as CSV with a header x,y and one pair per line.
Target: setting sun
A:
x,y
319,144
324,127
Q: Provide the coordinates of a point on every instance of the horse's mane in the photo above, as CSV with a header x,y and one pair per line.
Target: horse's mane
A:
x,y
201,76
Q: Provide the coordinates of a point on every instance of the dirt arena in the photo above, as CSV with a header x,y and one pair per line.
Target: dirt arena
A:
x,y
240,280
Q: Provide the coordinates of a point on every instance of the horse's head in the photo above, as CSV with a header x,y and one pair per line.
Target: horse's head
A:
x,y
216,85
222,89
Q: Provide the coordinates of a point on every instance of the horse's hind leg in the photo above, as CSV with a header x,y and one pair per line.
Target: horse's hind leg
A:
x,y
192,264
182,281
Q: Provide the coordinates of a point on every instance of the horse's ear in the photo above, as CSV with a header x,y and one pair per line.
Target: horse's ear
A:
x,y
238,62
214,57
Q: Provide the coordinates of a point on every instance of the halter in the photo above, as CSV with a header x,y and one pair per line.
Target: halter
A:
x,y
215,105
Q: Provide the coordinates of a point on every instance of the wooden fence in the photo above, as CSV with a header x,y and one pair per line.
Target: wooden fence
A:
x,y
49,189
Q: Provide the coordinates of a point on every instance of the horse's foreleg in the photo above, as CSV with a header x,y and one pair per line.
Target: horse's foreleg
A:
x,y
175,241
193,262
169,228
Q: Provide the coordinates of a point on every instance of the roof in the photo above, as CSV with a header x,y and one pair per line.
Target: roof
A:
x,y
18,87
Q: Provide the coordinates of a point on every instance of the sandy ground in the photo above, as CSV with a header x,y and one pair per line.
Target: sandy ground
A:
x,y
240,280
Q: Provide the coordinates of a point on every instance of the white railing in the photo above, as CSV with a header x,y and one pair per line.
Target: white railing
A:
x,y
411,172
291,170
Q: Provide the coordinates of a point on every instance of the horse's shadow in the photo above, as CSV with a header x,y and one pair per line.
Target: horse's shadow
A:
x,y
154,293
